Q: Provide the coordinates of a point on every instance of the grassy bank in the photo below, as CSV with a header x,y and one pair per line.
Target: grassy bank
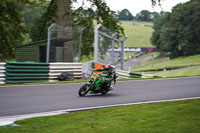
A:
x,y
168,117
138,35
161,64
187,72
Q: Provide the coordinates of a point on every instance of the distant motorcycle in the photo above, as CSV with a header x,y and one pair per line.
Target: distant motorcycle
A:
x,y
98,83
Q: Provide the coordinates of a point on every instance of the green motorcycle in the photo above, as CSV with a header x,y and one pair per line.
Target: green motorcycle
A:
x,y
99,83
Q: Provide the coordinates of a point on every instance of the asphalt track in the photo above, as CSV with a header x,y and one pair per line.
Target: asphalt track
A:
x,y
18,100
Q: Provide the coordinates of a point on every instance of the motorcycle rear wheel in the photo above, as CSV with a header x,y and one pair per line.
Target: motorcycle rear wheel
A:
x,y
83,90
104,91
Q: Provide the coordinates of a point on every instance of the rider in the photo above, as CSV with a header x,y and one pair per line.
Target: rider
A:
x,y
108,70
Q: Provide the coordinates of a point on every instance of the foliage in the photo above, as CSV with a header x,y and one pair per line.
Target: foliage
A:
x,y
84,18
32,12
125,15
104,12
145,15
32,18
14,25
178,32
38,31
158,24
11,29
155,2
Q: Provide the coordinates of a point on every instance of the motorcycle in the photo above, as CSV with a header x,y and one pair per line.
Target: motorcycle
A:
x,y
98,83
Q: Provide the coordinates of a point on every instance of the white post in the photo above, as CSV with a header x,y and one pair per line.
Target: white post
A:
x,y
48,43
96,36
122,53
113,43
80,44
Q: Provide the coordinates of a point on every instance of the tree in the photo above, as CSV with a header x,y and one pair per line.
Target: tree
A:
x,y
84,18
178,32
159,27
154,15
38,31
11,28
64,19
144,15
32,13
155,2
125,15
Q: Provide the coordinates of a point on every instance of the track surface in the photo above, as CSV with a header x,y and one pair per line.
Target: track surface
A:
x,y
17,100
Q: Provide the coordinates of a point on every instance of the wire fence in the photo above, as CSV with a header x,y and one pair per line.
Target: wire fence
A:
x,y
109,46
64,44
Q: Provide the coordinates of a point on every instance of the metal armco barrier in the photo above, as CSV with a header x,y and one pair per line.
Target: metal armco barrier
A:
x,y
122,74
126,74
26,72
56,69
29,72
135,75
2,73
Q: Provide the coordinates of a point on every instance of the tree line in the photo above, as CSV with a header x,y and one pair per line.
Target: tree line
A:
x,y
144,15
178,32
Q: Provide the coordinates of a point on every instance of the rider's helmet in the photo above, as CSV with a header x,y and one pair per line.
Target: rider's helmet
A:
x,y
107,67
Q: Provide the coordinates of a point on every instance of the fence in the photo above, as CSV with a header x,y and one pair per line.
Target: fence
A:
x,y
64,43
56,69
105,41
2,73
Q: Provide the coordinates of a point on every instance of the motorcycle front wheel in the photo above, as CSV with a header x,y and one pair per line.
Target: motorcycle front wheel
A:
x,y
83,90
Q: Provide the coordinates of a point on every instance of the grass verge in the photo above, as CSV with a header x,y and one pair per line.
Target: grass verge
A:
x,y
167,117
187,72
173,63
150,54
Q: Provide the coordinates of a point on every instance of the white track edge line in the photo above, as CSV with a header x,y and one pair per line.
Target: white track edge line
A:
x,y
7,120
